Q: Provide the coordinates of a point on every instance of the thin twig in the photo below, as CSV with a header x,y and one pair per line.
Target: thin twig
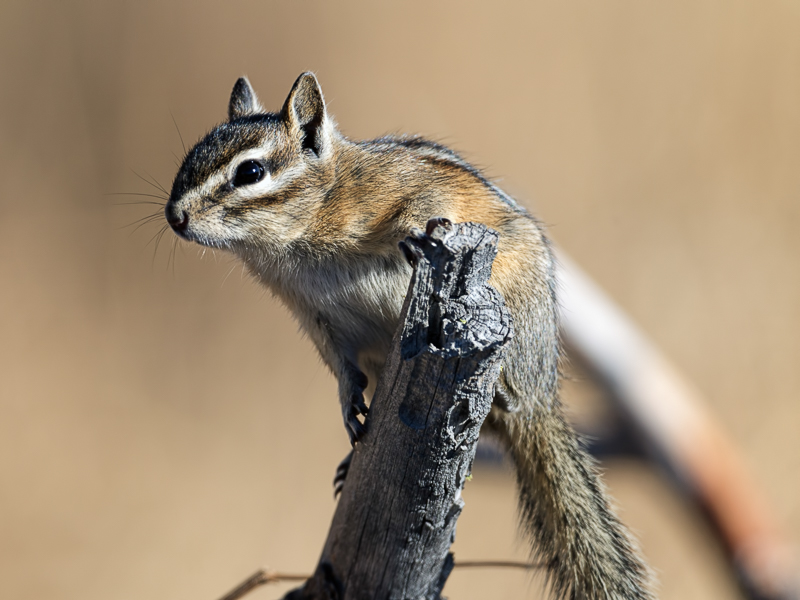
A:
x,y
505,564
265,576
259,578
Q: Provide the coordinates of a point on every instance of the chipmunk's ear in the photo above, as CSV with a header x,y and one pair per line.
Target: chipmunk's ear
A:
x,y
244,101
304,112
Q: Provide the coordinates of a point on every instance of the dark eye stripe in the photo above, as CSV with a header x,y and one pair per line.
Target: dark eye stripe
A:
x,y
248,173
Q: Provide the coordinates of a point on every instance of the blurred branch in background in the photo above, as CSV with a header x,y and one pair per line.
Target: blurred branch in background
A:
x,y
669,423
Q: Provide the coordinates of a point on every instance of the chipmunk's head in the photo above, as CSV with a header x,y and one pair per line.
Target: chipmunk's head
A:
x,y
255,179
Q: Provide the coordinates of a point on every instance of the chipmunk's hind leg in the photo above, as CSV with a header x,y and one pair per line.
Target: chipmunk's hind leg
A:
x,y
352,384
341,474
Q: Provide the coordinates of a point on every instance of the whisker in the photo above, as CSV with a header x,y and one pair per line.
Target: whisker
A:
x,y
224,279
178,129
156,185
142,203
171,259
141,222
161,187
153,216
164,198
159,236
158,233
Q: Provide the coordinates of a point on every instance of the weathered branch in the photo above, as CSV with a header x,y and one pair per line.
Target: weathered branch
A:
x,y
395,521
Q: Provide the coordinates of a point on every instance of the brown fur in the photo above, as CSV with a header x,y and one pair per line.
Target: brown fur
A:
x,y
320,230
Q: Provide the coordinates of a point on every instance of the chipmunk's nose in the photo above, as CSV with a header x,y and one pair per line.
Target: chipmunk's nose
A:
x,y
177,219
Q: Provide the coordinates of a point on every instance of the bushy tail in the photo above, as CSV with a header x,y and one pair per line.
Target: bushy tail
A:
x,y
585,549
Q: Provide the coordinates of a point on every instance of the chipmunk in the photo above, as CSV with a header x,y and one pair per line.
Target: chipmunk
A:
x,y
317,219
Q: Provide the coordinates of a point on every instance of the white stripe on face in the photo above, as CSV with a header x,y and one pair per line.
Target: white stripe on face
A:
x,y
269,184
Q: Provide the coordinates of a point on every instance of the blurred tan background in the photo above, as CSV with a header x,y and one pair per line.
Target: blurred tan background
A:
x,y
164,430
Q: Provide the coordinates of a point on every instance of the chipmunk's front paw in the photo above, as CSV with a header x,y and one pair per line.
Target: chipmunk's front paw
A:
x,y
416,239
437,222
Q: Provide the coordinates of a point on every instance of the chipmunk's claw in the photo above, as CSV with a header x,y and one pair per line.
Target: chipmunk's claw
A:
x,y
417,238
341,474
437,222
355,428
354,406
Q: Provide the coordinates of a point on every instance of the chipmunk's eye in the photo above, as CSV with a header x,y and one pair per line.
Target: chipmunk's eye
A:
x,y
249,172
